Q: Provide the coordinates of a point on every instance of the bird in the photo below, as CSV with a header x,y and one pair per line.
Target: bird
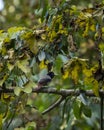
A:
x,y
45,79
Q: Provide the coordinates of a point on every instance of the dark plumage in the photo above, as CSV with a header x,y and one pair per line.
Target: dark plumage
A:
x,y
46,79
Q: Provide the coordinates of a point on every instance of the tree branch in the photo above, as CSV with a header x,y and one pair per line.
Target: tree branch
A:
x,y
53,105
66,92
62,92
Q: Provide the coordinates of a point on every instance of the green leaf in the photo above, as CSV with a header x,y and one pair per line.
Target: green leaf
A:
x,y
17,91
30,126
28,87
86,111
3,107
58,63
38,12
10,66
23,65
77,109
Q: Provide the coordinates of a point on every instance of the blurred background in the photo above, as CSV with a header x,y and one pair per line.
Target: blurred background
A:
x,y
29,12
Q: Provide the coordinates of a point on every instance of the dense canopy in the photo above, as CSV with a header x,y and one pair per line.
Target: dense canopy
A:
x,y
62,36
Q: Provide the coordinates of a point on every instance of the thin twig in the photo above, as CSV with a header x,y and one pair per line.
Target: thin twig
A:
x,y
11,119
53,105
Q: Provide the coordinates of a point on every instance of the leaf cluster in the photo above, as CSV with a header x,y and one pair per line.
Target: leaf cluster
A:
x,y
69,41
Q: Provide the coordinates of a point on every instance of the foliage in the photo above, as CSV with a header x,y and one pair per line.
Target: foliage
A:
x,y
67,40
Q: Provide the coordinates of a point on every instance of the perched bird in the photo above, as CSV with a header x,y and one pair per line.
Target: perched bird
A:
x,y
45,80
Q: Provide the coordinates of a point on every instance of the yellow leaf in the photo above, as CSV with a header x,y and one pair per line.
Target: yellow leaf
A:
x,y
60,26
102,29
7,39
88,10
73,9
96,35
96,87
86,30
27,35
42,65
1,31
3,80
87,80
101,46
15,29
66,75
1,118
87,72
63,31
94,68
6,97
75,73
33,45
52,35
92,27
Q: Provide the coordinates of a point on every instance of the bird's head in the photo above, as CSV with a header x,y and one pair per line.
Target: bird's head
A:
x,y
51,74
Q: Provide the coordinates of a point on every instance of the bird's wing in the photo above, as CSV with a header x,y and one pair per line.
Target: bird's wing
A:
x,y
45,80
